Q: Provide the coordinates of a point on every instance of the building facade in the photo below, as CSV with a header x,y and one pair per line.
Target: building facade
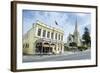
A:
x,y
43,39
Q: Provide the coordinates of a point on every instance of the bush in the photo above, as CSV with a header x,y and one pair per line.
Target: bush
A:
x,y
73,44
81,48
66,48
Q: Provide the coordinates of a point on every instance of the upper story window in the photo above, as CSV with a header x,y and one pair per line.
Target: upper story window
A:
x,y
62,37
44,33
52,34
69,38
48,34
56,36
39,32
59,36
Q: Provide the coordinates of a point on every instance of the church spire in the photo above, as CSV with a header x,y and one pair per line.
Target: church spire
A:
x,y
76,26
76,34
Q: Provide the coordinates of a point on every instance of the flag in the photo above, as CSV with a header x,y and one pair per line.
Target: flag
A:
x,y
56,23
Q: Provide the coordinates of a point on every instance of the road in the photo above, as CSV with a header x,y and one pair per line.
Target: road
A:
x,y
60,57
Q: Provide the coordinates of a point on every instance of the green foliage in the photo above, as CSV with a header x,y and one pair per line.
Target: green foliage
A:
x,y
66,47
81,48
86,37
73,44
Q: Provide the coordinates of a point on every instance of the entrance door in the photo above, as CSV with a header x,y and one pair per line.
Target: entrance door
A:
x,y
47,49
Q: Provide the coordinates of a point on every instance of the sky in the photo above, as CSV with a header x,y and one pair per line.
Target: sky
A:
x,y
66,20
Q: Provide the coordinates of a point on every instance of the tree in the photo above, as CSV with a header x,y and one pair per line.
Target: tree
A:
x,y
86,37
73,44
66,47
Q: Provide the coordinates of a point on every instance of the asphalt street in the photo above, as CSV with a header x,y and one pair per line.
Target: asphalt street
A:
x,y
59,57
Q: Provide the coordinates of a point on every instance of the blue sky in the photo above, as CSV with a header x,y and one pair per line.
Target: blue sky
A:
x,y
66,20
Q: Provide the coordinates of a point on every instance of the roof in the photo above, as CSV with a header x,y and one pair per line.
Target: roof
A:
x,y
49,27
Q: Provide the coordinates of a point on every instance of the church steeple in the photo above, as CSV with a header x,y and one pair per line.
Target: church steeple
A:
x,y
76,33
75,37
76,26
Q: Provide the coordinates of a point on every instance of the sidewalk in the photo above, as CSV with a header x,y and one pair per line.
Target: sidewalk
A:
x,y
48,56
58,57
53,55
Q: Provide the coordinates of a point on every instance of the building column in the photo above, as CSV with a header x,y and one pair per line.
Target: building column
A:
x,y
41,33
62,48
